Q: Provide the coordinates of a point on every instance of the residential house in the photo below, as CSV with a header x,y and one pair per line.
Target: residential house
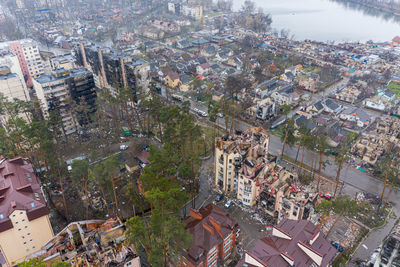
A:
x,y
316,108
377,103
358,115
291,243
236,62
214,237
222,56
303,121
387,94
185,83
284,96
264,109
183,44
171,79
331,106
164,25
265,88
349,94
24,217
208,51
203,69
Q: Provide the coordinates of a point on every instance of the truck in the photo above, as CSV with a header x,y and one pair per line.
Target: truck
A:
x,y
126,131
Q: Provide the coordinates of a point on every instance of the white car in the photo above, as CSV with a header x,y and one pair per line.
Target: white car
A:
x,y
220,115
123,147
228,203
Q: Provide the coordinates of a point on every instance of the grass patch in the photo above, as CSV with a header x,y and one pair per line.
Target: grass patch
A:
x,y
395,88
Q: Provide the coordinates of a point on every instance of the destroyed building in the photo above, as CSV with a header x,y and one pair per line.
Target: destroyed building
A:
x,y
90,243
244,171
231,153
111,67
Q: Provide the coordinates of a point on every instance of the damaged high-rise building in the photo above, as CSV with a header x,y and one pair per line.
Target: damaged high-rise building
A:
x,y
111,68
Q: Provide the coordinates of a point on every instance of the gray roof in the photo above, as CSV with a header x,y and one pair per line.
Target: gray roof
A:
x,y
331,104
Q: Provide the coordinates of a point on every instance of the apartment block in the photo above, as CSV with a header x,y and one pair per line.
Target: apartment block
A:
x,y
54,91
24,217
110,67
27,52
12,87
192,10
11,61
66,61
214,237
231,152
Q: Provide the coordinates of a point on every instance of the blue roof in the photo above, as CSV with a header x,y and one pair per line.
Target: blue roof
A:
x,y
351,70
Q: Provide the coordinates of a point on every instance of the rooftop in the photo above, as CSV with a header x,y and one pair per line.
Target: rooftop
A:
x,y
291,243
209,227
19,190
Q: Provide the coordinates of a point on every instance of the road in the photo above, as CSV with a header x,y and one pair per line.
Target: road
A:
x,y
353,180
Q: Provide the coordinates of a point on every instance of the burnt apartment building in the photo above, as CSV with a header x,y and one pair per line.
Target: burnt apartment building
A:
x,y
111,68
55,90
214,237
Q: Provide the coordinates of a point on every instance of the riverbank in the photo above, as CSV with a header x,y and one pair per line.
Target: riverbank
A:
x,y
377,6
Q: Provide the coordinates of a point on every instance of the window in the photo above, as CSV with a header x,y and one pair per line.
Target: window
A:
x,y
227,249
30,180
19,229
26,226
23,220
33,247
28,233
33,204
25,243
1,216
20,213
27,250
28,175
16,222
228,240
31,240
213,262
22,237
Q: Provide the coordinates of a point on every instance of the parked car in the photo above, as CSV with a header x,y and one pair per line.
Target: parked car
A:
x,y
220,115
228,203
219,198
123,147
327,196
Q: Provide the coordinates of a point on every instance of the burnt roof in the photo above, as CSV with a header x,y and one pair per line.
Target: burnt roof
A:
x,y
203,239
19,190
268,249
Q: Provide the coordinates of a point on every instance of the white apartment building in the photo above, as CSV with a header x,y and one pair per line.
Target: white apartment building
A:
x,y
11,85
52,90
8,59
193,11
27,52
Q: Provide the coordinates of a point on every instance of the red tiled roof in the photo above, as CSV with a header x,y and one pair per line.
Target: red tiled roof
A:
x,y
18,186
210,230
270,248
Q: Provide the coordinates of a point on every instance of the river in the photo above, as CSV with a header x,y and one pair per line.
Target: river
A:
x,y
329,20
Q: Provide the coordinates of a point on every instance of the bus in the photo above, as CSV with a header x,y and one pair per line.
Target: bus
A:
x,y
126,131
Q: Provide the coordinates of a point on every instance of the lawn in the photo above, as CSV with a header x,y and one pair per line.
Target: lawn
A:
x,y
395,88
